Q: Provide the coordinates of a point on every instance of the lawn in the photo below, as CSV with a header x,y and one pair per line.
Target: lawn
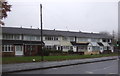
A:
x,y
24,59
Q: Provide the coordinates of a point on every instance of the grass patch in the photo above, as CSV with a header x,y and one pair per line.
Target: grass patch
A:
x,y
25,59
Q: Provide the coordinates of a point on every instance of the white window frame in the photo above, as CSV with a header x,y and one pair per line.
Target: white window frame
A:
x,y
38,38
4,50
16,37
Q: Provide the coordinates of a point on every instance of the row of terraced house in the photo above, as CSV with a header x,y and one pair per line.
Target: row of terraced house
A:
x,y
27,41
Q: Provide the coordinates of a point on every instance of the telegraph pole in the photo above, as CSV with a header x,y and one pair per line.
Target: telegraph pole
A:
x,y
41,33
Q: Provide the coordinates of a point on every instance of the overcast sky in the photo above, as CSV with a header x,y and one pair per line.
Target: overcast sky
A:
x,y
72,15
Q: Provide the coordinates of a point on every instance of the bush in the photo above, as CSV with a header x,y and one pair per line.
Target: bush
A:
x,y
55,51
45,52
70,51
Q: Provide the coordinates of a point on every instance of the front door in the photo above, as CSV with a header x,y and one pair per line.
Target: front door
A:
x,y
18,50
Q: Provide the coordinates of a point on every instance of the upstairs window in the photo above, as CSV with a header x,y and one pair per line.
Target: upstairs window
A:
x,y
95,40
71,38
38,38
16,37
51,38
31,38
55,38
11,37
8,36
83,39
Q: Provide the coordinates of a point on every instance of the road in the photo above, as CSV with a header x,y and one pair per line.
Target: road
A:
x,y
105,67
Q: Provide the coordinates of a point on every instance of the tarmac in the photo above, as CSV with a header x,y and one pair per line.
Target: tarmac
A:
x,y
18,67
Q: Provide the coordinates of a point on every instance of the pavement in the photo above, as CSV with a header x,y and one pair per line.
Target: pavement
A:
x,y
103,67
19,67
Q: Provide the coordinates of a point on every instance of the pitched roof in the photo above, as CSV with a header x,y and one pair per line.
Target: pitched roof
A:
x,y
28,31
100,44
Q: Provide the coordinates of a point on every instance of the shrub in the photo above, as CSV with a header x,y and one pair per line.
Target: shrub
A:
x,y
55,51
70,51
45,52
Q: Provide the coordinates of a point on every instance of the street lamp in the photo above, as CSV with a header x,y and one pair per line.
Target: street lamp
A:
x,y
42,55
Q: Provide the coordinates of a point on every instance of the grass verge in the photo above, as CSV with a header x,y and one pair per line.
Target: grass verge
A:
x,y
25,59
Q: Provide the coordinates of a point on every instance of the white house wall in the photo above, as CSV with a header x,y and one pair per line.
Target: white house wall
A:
x,y
65,43
89,48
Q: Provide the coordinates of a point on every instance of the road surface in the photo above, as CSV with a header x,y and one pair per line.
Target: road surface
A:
x,y
105,67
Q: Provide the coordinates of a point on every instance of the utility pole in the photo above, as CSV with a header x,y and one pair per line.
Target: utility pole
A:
x,y
113,34
30,46
41,33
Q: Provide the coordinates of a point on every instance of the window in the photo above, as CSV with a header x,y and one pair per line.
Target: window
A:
x,y
49,47
95,40
32,38
55,38
66,47
51,38
8,36
38,38
17,37
7,48
82,39
48,38
71,38
11,37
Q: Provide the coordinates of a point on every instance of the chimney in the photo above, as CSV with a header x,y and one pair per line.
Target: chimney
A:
x,y
31,26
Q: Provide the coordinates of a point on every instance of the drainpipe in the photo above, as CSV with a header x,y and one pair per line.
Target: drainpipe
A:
x,y
75,39
76,42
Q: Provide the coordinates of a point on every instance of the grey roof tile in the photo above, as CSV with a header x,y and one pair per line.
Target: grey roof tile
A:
x,y
28,31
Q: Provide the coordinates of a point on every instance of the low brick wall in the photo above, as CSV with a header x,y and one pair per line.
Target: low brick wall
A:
x,y
91,53
5,54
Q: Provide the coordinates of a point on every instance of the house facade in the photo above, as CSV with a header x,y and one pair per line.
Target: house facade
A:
x,y
27,42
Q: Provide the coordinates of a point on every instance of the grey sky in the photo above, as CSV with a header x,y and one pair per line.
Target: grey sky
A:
x,y
72,15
